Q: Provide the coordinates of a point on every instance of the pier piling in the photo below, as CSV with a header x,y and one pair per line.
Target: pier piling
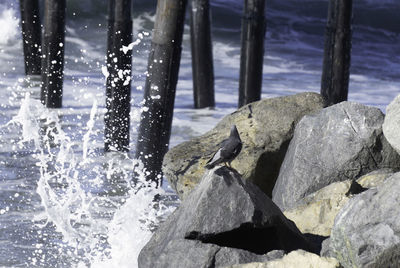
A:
x,y
31,35
202,58
119,68
163,67
252,51
53,53
337,52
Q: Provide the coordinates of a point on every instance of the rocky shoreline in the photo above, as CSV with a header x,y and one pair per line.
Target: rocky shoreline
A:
x,y
312,187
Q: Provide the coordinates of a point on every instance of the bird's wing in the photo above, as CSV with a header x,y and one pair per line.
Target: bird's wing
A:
x,y
217,154
215,160
215,157
230,149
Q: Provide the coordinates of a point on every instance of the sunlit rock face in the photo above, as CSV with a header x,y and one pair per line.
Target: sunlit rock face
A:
x,y
224,213
341,142
265,128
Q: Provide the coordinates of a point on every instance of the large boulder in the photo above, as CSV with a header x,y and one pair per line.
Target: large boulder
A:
x,y
315,214
341,142
391,125
298,258
223,214
366,232
265,127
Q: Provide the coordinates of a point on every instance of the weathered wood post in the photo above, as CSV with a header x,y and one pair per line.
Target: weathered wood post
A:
x,y
159,95
337,52
118,85
31,35
202,58
252,51
53,53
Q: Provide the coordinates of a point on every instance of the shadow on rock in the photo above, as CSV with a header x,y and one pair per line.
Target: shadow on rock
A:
x,y
223,213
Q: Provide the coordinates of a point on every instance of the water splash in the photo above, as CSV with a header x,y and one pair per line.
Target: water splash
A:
x,y
89,125
9,33
104,219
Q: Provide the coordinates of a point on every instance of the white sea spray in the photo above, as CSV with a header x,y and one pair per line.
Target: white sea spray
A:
x,y
89,126
9,31
88,237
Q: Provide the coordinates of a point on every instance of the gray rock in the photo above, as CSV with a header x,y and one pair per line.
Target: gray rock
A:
x,y
222,212
342,142
325,248
265,128
185,253
366,232
391,125
181,253
230,256
298,258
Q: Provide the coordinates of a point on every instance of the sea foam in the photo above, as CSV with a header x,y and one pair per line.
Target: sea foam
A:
x,y
9,30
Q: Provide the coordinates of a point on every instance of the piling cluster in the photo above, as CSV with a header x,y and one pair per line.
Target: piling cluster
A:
x,y
44,55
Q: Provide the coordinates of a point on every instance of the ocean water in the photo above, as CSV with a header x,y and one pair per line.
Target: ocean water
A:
x,y
64,203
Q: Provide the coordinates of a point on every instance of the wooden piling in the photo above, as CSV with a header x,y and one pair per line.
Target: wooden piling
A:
x,y
202,58
118,85
31,35
252,51
53,53
163,67
337,52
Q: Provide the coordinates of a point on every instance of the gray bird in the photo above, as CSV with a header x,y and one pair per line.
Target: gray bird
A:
x,y
230,148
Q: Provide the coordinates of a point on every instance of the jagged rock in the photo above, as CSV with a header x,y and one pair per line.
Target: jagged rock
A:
x,y
366,232
316,212
265,128
298,258
229,256
391,125
341,142
224,211
185,253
